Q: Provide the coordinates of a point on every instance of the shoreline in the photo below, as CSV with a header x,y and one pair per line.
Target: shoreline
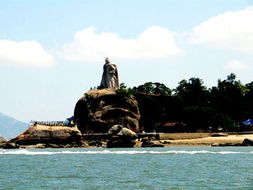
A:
x,y
170,140
204,139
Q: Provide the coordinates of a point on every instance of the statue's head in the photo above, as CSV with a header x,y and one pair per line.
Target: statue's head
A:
x,y
107,60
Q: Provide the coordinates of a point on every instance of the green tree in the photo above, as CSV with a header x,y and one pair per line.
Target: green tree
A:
x,y
154,88
192,92
192,97
228,99
249,101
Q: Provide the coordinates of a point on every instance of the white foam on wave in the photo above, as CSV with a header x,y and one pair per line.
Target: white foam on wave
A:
x,y
32,152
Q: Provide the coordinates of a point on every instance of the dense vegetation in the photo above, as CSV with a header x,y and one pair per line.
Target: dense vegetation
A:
x,y
191,106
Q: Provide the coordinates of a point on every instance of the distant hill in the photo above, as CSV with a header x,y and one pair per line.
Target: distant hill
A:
x,y
10,127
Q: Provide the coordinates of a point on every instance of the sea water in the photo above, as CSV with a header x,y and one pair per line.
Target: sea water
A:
x,y
119,169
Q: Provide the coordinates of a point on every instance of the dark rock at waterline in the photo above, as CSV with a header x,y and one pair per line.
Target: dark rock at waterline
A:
x,y
96,143
165,142
51,145
119,143
247,142
219,135
9,145
226,144
146,144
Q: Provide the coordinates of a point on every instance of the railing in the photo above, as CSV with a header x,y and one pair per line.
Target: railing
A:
x,y
106,135
53,123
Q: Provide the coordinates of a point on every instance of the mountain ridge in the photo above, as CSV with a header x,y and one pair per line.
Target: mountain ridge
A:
x,y
11,127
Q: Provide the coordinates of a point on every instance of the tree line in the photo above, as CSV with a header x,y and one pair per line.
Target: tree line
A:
x,y
193,106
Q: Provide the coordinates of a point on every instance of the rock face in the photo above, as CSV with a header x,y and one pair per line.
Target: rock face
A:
x,y
2,140
36,134
98,110
121,137
119,130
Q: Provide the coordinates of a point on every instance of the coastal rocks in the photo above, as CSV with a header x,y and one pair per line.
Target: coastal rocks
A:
x,y
121,137
247,142
120,131
219,135
3,140
43,134
9,145
119,143
165,142
148,143
114,130
98,110
226,144
151,144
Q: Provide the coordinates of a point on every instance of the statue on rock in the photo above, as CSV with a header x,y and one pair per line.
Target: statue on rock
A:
x,y
110,78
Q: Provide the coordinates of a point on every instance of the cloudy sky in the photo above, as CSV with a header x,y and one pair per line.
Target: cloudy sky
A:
x,y
52,52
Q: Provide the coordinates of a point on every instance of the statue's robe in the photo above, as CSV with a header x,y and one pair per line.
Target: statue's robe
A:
x,y
110,78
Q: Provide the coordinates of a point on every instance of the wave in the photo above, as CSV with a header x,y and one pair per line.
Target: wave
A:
x,y
32,152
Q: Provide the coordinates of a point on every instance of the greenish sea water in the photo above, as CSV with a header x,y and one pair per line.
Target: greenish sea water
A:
x,y
120,169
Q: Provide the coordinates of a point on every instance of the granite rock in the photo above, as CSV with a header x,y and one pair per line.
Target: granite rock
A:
x,y
247,142
44,134
98,110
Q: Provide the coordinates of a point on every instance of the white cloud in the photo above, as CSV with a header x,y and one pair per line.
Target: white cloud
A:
x,y
235,65
231,30
29,53
89,46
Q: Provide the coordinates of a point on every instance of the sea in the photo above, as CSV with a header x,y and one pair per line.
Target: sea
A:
x,y
133,168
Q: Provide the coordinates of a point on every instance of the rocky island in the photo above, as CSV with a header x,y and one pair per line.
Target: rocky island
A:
x,y
101,117
146,116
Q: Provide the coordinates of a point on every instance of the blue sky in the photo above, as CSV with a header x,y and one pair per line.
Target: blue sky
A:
x,y
52,52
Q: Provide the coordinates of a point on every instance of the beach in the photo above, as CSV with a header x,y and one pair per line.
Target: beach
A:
x,y
203,139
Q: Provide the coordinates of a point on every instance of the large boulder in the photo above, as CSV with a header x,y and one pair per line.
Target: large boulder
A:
x,y
121,137
247,142
98,110
122,132
36,134
114,130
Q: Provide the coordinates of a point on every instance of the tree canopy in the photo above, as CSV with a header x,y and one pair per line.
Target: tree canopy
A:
x,y
221,107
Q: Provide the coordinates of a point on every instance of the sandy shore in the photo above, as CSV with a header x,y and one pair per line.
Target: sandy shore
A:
x,y
202,139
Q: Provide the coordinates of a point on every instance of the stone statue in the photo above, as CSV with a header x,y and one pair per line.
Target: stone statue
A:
x,y
110,78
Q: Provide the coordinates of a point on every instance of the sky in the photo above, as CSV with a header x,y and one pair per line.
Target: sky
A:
x,y
52,52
